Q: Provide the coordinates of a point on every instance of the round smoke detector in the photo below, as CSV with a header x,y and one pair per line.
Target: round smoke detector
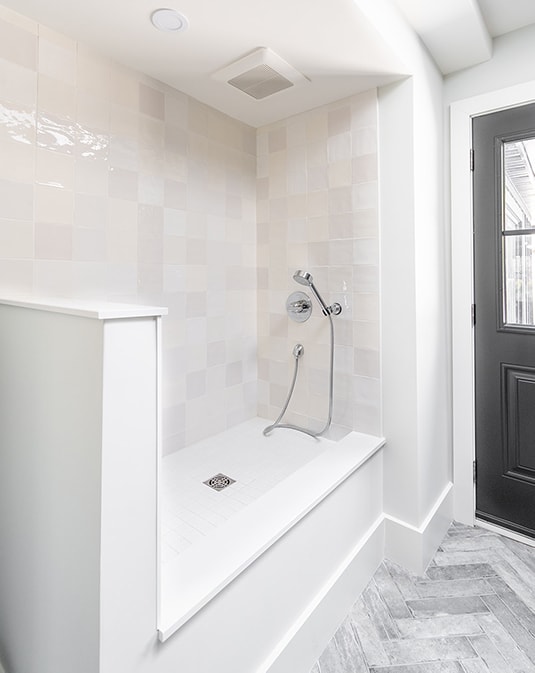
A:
x,y
169,20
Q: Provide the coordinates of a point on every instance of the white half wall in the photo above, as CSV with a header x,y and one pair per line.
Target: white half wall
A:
x,y
49,491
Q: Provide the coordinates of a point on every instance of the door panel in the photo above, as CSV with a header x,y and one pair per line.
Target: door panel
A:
x,y
504,268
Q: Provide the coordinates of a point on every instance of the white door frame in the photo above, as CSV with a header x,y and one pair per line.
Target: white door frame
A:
x,y
462,113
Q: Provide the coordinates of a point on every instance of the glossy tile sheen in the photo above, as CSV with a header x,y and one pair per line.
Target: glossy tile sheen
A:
x,y
471,612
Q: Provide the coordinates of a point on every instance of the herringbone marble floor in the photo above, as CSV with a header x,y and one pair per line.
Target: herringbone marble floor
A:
x,y
473,611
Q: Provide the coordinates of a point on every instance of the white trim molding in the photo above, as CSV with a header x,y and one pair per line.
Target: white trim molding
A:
x,y
462,113
412,547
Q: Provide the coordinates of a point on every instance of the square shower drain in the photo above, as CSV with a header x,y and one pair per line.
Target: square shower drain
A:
x,y
219,482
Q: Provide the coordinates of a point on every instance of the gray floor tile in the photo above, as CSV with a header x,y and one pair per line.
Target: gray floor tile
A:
x,y
378,612
434,607
445,588
521,585
435,667
472,612
525,553
464,543
516,630
343,653
450,625
515,604
371,644
429,649
505,643
458,572
447,558
404,580
490,655
391,594
474,666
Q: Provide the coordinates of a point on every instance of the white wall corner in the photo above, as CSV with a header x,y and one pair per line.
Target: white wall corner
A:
x,y
454,32
413,548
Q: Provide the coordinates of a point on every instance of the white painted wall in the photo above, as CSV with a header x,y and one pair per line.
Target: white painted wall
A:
x,y
415,316
49,491
506,80
511,63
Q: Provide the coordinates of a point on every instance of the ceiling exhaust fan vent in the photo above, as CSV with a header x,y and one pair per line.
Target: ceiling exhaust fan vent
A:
x,y
260,82
260,74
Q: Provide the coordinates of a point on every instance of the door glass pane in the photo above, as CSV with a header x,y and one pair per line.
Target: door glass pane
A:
x,y
519,165
518,277
518,216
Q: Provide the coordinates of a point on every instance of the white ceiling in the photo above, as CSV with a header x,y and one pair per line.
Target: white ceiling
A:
x,y
329,41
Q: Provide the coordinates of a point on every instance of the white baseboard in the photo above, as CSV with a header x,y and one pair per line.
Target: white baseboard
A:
x,y
304,643
413,548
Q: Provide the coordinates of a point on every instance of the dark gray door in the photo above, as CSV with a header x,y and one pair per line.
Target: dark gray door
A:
x,y
504,241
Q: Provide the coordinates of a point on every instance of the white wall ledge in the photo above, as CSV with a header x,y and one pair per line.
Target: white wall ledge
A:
x,y
98,310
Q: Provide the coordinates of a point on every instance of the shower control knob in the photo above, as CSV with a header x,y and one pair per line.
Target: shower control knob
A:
x,y
335,308
299,306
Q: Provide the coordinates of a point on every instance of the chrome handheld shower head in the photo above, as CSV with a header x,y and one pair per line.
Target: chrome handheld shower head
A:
x,y
305,278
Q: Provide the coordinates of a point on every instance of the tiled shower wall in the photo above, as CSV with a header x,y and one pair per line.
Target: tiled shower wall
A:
x,y
114,186
317,211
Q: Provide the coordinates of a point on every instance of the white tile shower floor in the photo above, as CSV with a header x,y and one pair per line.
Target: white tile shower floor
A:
x,y
191,510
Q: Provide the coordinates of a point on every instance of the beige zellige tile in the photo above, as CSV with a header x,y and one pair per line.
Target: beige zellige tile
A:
x,y
339,120
17,124
367,362
176,108
366,306
151,101
54,169
339,147
93,72
340,173
56,96
123,184
16,200
16,273
89,245
124,120
316,125
18,85
53,277
56,134
90,211
124,87
53,204
16,239
366,335
93,111
53,241
57,56
366,251
18,160
51,36
16,19
18,45
91,175
365,195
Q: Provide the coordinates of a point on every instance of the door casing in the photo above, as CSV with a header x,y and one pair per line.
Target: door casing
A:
x,y
462,287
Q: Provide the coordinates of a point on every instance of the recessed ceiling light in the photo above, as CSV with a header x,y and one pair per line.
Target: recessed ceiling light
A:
x,y
169,20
